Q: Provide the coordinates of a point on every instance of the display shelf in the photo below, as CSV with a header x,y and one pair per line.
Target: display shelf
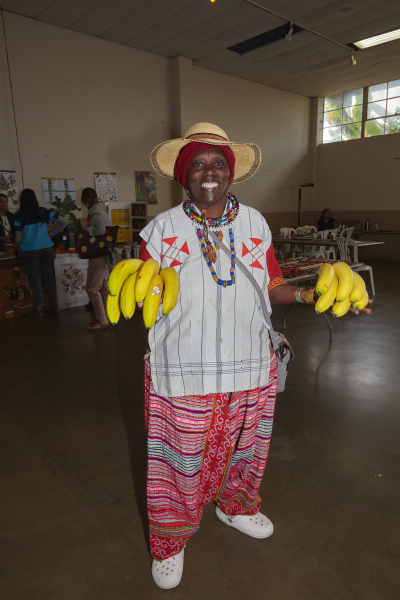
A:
x,y
138,221
120,214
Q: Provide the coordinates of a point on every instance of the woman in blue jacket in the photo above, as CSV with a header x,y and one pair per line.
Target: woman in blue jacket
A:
x,y
31,222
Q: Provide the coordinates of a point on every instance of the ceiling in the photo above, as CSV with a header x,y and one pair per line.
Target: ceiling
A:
x,y
201,30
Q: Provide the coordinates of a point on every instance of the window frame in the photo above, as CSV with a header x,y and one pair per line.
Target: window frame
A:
x,y
364,114
342,123
386,100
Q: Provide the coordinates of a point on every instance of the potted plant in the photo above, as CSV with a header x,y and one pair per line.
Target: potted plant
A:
x,y
64,208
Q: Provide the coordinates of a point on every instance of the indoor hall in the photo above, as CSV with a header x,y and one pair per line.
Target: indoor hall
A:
x,y
102,105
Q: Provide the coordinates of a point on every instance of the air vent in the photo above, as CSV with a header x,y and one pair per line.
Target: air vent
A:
x,y
269,37
345,9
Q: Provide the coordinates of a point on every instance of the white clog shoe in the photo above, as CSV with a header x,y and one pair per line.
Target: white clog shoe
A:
x,y
257,526
168,573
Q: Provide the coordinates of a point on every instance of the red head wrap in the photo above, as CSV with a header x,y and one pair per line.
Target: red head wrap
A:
x,y
190,150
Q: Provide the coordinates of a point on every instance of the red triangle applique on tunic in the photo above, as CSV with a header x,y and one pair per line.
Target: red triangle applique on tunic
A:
x,y
175,263
245,250
257,264
170,240
185,248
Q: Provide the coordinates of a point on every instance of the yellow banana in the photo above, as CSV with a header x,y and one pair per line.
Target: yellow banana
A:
x,y
112,309
326,300
120,272
171,290
326,274
150,268
346,280
152,301
341,308
361,303
128,299
359,289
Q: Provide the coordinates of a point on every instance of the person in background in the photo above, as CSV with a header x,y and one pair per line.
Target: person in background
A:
x,y
326,221
99,268
6,223
31,222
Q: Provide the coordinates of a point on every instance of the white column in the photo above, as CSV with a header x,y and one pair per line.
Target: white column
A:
x,y
181,107
315,135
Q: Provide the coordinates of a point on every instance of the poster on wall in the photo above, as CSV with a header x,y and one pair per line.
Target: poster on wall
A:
x,y
120,216
8,186
124,235
106,187
145,184
71,281
59,187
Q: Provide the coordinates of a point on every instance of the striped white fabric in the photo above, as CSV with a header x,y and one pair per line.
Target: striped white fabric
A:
x,y
215,340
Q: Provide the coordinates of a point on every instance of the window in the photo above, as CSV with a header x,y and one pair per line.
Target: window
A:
x,y
383,110
365,112
343,116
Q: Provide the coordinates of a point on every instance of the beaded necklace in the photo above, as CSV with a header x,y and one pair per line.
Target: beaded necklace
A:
x,y
204,247
207,249
228,217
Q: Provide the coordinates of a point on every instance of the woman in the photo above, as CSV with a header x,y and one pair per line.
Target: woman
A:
x,y
31,223
99,268
6,223
210,376
326,221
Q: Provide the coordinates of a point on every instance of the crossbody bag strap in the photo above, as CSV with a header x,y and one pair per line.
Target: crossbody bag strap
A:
x,y
92,215
259,291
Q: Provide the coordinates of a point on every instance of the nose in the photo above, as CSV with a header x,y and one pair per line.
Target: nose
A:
x,y
209,169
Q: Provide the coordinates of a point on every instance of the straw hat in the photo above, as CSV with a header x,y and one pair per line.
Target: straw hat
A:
x,y
248,156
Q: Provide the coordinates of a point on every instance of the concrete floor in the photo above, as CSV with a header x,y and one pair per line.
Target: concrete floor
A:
x,y
73,513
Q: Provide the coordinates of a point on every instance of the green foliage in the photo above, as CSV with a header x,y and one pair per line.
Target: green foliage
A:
x,y
64,208
348,118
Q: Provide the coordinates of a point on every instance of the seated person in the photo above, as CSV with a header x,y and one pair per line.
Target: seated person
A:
x,y
326,221
6,223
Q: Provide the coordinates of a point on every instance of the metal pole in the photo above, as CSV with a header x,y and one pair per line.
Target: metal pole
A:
x,y
299,209
272,12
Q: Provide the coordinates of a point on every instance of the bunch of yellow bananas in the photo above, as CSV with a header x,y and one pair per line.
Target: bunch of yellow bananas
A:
x,y
339,283
132,281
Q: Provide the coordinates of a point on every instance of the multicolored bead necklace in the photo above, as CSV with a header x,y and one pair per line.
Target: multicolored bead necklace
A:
x,y
206,255
229,216
207,248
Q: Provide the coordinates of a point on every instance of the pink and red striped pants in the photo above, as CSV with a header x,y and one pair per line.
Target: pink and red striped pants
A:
x,y
203,449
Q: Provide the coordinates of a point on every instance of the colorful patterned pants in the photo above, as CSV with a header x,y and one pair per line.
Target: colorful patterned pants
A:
x,y
203,449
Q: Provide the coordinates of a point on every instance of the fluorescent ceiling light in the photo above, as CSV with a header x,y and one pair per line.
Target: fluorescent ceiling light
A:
x,y
390,36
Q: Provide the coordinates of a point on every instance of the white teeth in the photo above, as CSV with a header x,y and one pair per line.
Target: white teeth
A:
x,y
209,186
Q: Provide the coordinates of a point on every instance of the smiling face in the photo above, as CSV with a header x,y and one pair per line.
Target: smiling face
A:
x,y
208,180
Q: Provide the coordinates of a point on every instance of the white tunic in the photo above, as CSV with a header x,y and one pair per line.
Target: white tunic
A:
x,y
215,339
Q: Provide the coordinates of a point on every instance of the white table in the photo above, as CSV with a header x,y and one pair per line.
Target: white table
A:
x,y
309,241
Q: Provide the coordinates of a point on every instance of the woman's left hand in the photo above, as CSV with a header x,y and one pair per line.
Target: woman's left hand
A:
x,y
365,310
84,223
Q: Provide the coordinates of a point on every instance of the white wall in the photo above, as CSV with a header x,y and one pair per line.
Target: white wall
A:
x,y
360,179
84,104
359,174
276,121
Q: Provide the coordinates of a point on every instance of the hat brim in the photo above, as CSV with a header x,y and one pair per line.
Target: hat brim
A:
x,y
247,157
